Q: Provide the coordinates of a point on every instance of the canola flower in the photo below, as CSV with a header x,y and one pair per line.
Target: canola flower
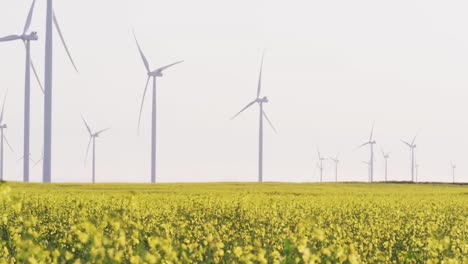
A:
x,y
233,223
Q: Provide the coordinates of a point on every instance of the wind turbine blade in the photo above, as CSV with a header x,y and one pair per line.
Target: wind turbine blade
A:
x,y
243,109
259,87
103,130
8,143
142,103
87,126
367,143
37,162
408,144
29,19
269,122
10,38
414,139
145,61
3,109
37,77
371,133
57,26
87,149
168,66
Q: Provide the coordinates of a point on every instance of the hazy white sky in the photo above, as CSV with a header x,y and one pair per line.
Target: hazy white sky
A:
x,y
331,69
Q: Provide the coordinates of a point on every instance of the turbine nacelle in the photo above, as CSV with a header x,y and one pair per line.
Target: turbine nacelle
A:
x,y
156,73
3,126
31,36
262,100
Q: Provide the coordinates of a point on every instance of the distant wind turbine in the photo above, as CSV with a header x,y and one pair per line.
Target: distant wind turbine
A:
x,y
92,138
3,126
260,101
371,143
320,164
336,161
412,147
454,166
151,74
51,20
386,156
26,38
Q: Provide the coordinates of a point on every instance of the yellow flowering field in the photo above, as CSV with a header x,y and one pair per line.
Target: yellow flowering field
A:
x,y
233,223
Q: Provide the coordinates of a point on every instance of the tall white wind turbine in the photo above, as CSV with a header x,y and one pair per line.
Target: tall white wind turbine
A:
x,y
412,147
26,37
260,101
335,161
3,139
386,156
371,143
51,21
151,74
92,139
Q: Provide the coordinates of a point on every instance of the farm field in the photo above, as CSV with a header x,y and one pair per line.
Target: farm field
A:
x,y
233,223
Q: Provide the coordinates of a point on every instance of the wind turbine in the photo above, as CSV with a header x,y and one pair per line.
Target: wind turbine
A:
x,y
336,161
412,147
454,166
260,101
371,143
386,156
92,138
320,164
3,126
51,20
151,74
26,37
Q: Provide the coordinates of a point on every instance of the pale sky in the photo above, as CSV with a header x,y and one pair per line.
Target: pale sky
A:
x,y
331,69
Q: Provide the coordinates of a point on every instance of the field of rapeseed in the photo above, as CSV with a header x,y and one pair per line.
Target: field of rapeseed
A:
x,y
233,223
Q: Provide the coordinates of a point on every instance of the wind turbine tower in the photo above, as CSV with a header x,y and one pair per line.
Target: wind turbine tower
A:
x,y
386,156
454,166
51,20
